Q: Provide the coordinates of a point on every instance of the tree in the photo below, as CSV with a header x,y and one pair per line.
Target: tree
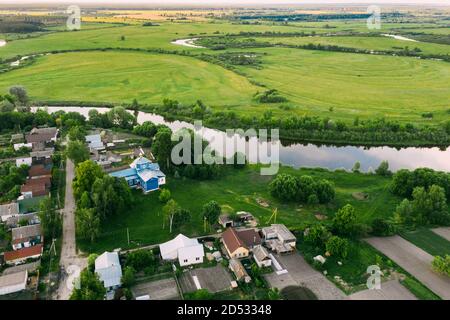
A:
x,y
162,147
284,187
87,223
306,188
164,195
344,222
169,211
77,133
356,167
128,277
442,264
180,218
20,94
140,259
91,288
201,294
337,247
317,235
147,129
381,227
404,213
91,261
77,151
85,174
430,206
383,169
120,117
51,221
211,212
325,191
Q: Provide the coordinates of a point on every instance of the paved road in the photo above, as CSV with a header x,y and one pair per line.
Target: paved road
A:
x,y
300,273
444,232
390,290
414,260
69,256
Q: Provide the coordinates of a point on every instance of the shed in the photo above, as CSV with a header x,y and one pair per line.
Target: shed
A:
x,y
261,256
14,282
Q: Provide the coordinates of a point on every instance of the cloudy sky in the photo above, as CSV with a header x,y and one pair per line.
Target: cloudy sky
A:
x,y
232,2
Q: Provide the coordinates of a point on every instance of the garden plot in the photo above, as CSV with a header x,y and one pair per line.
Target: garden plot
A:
x,y
415,261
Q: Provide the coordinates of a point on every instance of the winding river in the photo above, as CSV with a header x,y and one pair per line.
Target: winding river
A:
x,y
309,155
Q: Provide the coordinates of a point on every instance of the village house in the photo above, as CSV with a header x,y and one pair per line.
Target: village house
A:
x,y
42,156
18,146
40,137
8,210
278,238
36,187
39,171
239,271
261,256
238,244
14,282
142,174
95,143
27,236
225,221
29,218
108,268
187,251
28,161
16,257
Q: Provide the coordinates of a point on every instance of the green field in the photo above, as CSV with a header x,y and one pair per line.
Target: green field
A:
x,y
238,190
428,241
367,86
123,76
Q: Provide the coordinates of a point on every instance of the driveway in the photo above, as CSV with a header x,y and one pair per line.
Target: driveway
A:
x,y
444,232
390,290
414,260
70,260
300,273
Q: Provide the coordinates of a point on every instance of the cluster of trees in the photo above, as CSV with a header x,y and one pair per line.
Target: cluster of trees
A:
x,y
303,189
427,206
98,196
405,181
313,128
89,286
76,148
116,117
15,99
269,96
50,218
11,178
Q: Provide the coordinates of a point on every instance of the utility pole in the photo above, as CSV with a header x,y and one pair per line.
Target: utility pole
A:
x,y
128,235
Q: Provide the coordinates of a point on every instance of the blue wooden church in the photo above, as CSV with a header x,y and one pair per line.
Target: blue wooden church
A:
x,y
142,174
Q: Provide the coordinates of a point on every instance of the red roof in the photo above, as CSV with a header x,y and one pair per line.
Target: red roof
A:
x,y
39,170
23,253
39,186
231,240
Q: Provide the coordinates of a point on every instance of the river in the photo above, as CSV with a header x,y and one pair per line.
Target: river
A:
x,y
311,155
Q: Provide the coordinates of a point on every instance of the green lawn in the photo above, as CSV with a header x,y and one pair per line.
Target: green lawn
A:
x,y
123,76
428,241
238,190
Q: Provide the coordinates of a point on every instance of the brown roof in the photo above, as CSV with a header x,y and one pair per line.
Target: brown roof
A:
x,y
39,170
41,135
249,237
38,186
231,240
23,253
27,232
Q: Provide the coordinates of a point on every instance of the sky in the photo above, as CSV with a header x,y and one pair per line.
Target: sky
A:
x,y
232,2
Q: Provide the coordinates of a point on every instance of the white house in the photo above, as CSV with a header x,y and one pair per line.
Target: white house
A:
x,y
261,256
13,282
187,251
108,268
278,238
26,161
8,210
95,142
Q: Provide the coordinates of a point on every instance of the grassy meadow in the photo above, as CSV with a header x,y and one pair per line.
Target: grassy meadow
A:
x,y
239,190
367,86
